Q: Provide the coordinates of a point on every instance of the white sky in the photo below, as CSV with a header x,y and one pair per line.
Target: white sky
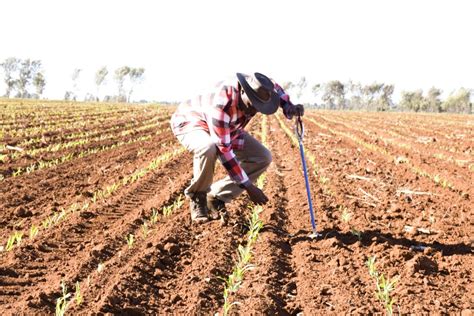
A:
x,y
186,46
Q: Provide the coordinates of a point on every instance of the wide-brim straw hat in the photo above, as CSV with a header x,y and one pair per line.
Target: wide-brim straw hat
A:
x,y
260,90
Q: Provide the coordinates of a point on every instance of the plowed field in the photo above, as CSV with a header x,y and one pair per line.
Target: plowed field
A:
x,y
91,198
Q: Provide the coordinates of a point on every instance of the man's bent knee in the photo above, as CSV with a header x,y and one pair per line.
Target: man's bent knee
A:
x,y
209,150
267,157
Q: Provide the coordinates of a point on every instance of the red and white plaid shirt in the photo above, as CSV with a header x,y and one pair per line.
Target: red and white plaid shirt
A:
x,y
218,114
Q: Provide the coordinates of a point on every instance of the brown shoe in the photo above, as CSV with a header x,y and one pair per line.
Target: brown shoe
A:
x,y
216,209
198,208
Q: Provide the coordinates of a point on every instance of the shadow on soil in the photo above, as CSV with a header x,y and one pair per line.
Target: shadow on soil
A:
x,y
369,237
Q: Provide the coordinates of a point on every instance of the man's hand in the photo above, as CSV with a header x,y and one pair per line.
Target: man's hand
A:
x,y
295,110
299,109
256,195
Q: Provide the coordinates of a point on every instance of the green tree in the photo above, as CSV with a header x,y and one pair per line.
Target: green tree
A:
x,y
73,95
39,82
413,101
100,78
301,85
316,90
334,95
458,102
385,99
136,77
10,66
27,71
120,76
355,100
433,100
370,93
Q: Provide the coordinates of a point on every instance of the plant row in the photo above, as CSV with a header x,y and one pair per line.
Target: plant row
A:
x,y
244,251
436,178
45,164
16,237
92,130
109,135
400,144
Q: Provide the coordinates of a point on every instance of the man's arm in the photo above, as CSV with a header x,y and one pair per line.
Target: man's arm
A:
x,y
289,109
220,133
218,122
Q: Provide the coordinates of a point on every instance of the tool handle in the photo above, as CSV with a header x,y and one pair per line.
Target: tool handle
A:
x,y
299,127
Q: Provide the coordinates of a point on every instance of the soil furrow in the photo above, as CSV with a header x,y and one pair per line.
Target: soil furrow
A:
x,y
418,157
270,287
74,259
66,185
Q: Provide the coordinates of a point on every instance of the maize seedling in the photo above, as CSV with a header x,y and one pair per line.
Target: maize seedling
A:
x,y
16,237
154,216
61,303
33,231
384,286
130,240
346,215
100,267
145,230
78,296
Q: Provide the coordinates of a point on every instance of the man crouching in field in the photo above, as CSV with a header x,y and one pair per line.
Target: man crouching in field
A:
x,y
212,126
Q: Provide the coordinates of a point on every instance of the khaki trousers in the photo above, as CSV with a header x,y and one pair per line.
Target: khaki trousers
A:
x,y
254,158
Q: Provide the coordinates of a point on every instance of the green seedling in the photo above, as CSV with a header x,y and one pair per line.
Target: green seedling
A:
x,y
61,216
179,202
154,216
78,296
47,222
61,303
10,243
384,286
244,254
167,210
371,266
130,240
33,231
16,237
30,169
95,196
323,180
261,181
85,206
17,172
100,267
145,230
346,215
227,304
356,233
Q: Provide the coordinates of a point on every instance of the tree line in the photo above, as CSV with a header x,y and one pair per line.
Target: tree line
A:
x,y
337,95
25,78
21,76
125,77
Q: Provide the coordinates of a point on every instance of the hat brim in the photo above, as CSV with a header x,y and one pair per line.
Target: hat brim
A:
x,y
269,107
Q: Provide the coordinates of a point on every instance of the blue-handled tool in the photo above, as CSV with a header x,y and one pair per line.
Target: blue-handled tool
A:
x,y
299,128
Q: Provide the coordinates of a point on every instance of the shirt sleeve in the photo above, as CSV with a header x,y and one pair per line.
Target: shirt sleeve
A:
x,y
285,103
218,122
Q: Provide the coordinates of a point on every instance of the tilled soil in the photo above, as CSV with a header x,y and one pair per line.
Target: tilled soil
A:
x,y
365,204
